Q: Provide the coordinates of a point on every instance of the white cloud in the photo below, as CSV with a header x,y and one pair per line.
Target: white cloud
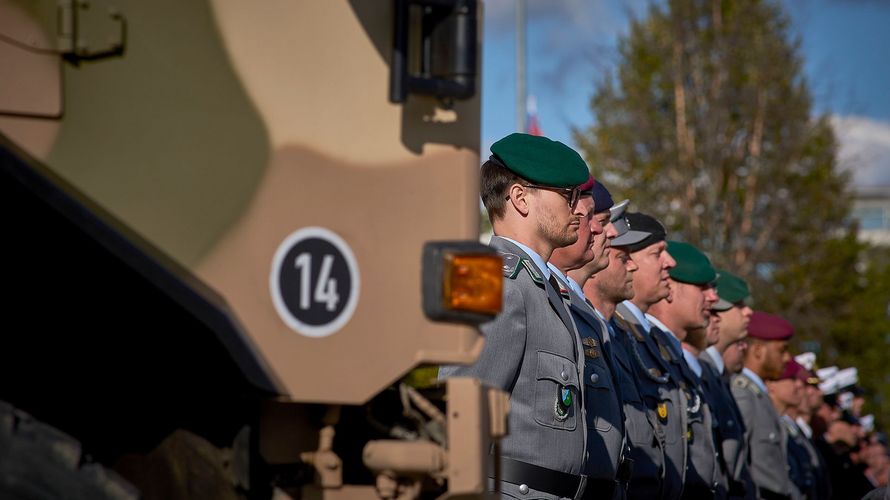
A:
x,y
864,149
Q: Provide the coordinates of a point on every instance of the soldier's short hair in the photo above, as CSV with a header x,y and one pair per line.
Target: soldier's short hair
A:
x,y
496,178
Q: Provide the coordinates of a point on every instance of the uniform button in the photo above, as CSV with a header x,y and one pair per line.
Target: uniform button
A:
x,y
729,423
594,378
523,488
564,375
772,435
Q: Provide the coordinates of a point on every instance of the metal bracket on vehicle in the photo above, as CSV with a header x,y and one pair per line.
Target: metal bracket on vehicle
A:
x,y
73,46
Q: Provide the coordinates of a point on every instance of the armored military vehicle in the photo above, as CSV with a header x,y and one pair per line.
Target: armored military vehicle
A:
x,y
230,230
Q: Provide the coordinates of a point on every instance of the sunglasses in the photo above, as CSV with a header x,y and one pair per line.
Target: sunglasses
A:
x,y
572,195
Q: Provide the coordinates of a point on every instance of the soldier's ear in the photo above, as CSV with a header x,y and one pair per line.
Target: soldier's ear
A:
x,y
518,196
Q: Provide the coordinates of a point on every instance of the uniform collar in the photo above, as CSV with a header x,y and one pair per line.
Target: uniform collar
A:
x,y
804,427
671,337
575,286
754,378
693,362
641,318
717,358
563,279
538,261
566,280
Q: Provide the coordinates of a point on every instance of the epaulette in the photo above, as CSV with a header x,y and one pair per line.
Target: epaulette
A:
x,y
744,383
513,264
663,350
627,327
792,429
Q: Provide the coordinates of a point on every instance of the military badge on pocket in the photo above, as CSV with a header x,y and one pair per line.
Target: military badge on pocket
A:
x,y
563,403
662,412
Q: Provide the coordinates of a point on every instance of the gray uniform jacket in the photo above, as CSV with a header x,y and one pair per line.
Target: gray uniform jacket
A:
x,y
605,425
766,437
533,353
731,429
646,446
704,479
662,396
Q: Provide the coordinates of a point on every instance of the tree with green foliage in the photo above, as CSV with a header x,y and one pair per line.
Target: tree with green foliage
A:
x,y
707,124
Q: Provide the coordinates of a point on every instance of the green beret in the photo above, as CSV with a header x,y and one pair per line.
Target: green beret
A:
x,y
541,160
730,289
692,265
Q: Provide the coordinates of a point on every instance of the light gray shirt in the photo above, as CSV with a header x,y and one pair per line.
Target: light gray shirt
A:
x,y
756,379
717,358
638,314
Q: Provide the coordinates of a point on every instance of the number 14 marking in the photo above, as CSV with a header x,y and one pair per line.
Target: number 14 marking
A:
x,y
325,288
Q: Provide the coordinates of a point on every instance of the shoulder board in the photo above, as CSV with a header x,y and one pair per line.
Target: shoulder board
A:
x,y
744,383
514,264
663,350
511,264
792,429
628,327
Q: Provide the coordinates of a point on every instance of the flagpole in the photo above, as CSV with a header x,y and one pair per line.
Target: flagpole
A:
x,y
521,114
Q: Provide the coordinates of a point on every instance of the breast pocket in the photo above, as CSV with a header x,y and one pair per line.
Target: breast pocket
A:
x,y
557,391
770,439
599,394
668,421
639,431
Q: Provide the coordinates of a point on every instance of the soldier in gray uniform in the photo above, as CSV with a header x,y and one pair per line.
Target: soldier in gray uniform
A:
x,y
692,295
607,469
605,290
786,393
660,391
730,315
765,434
532,351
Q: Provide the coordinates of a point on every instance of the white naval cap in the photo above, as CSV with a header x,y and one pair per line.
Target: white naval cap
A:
x,y
806,360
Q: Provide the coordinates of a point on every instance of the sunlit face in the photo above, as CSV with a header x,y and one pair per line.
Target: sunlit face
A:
x,y
600,244
789,391
811,400
651,281
775,355
557,223
734,322
691,304
615,282
712,333
580,252
734,356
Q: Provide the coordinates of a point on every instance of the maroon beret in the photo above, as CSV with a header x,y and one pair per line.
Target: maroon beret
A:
x,y
765,326
587,187
792,370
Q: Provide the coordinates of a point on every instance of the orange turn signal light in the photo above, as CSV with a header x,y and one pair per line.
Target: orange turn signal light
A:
x,y
473,283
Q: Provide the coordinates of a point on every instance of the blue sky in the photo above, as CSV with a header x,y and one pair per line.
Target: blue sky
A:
x,y
572,43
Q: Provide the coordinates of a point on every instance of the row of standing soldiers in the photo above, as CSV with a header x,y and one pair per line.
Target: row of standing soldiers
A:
x,y
635,369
